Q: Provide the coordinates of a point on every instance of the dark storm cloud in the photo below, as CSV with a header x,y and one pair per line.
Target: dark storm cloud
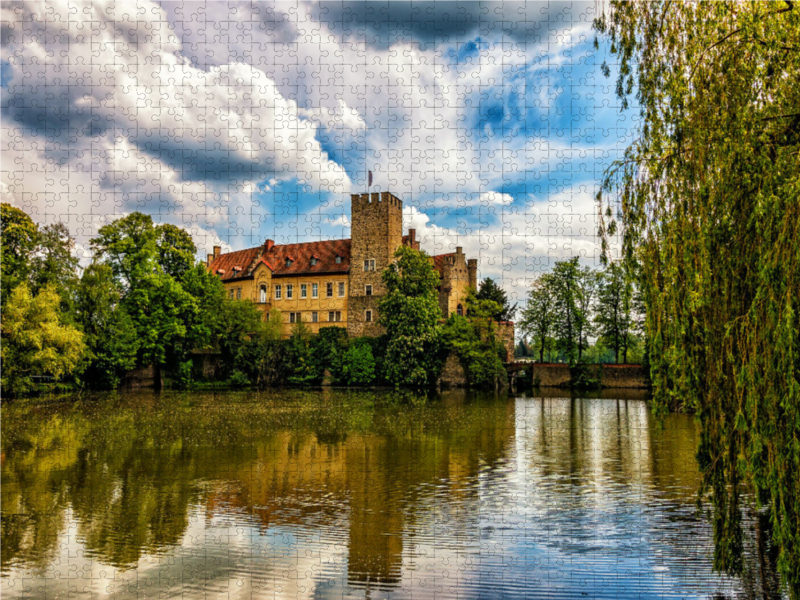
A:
x,y
383,23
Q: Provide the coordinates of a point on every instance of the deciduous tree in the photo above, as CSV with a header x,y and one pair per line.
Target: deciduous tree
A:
x,y
36,341
538,316
709,200
410,313
489,290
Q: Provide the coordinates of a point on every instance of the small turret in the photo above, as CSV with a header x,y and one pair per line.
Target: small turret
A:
x,y
472,273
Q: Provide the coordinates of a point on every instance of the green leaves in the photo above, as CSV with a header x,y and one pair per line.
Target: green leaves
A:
x,y
489,290
711,222
36,342
410,313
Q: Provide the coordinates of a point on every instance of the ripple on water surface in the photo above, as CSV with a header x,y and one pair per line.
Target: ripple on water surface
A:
x,y
338,494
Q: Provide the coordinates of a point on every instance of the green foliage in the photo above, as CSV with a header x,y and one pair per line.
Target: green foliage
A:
x,y
205,327
267,354
126,245
614,316
18,242
299,357
176,250
238,379
538,316
475,344
709,200
55,265
358,364
410,313
327,349
183,375
586,377
489,290
111,339
162,312
36,342
236,322
561,307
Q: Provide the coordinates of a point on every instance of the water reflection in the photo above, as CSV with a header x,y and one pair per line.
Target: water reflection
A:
x,y
351,494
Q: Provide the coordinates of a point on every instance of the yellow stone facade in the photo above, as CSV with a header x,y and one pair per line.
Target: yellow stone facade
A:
x,y
337,282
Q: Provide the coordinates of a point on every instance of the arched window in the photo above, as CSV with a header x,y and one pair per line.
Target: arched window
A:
x,y
460,310
263,294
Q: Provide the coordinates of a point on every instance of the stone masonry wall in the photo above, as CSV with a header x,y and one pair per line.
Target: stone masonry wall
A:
x,y
611,376
505,331
453,373
454,283
377,232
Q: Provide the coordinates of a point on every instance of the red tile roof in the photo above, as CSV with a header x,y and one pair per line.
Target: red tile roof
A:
x,y
438,261
241,258
275,259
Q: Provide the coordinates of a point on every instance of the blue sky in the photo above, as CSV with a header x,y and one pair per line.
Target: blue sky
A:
x,y
243,121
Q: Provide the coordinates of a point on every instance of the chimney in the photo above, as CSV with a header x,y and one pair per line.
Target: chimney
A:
x,y
459,250
472,273
268,245
412,236
209,259
217,251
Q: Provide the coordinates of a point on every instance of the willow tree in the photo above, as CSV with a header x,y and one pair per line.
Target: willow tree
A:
x,y
708,199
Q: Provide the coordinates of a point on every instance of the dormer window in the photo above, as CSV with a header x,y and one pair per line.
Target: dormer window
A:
x,y
338,259
220,271
237,269
288,262
314,261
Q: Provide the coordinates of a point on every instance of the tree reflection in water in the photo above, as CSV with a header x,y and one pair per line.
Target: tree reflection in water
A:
x,y
312,492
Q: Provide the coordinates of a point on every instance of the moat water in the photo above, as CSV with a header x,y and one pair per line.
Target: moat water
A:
x,y
354,494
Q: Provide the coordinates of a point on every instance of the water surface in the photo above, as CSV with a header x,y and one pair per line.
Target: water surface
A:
x,y
345,494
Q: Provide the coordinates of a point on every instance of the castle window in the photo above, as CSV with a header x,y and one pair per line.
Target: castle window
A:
x,y
314,317
341,289
294,317
303,290
368,316
277,292
338,259
230,294
289,290
335,316
329,290
369,264
238,293
263,294
368,290
315,290
460,310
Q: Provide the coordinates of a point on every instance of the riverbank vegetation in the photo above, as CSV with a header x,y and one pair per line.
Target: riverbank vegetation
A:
x,y
144,301
707,204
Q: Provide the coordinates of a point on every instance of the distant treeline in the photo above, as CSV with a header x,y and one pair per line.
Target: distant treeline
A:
x,y
571,305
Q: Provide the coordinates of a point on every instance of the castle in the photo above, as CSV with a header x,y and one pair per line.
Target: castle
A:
x,y
338,282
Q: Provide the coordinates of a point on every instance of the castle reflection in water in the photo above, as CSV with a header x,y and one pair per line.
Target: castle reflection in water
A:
x,y
344,493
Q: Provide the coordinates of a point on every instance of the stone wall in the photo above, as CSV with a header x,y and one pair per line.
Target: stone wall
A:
x,y
377,232
624,376
145,378
455,282
551,375
611,376
453,373
505,331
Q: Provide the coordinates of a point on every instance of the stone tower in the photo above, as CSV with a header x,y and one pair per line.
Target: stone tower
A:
x,y
376,224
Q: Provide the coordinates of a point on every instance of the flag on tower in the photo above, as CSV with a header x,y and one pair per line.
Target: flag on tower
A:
x,y
370,179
